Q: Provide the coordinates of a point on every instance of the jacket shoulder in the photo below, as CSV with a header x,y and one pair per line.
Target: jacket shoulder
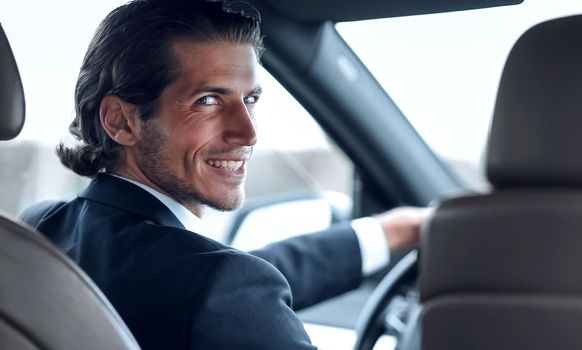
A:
x,y
40,211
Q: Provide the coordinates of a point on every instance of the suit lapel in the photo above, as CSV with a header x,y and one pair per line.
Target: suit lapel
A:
x,y
124,195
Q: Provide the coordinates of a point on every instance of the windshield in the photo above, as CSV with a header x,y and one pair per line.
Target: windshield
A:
x,y
442,70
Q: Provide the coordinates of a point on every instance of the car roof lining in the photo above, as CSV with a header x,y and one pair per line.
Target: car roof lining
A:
x,y
349,10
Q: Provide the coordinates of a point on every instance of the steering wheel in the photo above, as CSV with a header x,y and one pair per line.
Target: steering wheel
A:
x,y
392,308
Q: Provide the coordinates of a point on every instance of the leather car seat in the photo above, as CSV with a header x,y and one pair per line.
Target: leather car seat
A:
x,y
46,301
503,270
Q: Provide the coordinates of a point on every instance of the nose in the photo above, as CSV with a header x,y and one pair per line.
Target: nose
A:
x,y
240,128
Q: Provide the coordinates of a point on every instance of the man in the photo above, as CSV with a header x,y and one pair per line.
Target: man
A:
x,y
164,119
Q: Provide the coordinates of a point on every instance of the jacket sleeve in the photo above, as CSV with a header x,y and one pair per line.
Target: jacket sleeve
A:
x,y
247,306
317,266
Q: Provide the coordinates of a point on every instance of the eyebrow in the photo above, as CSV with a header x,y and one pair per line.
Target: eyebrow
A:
x,y
223,91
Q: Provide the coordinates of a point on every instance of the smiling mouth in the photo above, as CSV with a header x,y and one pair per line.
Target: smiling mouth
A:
x,y
226,164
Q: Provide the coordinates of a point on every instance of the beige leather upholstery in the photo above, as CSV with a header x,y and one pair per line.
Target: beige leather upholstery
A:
x,y
502,270
46,302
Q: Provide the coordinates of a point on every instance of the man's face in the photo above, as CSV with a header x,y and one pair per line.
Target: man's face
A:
x,y
196,146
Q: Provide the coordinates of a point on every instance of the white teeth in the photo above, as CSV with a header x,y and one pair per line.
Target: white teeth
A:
x,y
226,164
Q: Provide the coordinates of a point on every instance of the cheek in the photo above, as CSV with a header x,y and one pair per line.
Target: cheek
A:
x,y
192,142
186,140
191,155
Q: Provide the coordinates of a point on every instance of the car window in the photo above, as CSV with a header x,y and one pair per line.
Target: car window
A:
x,y
48,54
442,70
288,132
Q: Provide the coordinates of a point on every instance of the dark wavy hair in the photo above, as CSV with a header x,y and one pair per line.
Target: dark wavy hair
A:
x,y
130,57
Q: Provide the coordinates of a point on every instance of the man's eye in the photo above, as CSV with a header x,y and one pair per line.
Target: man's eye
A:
x,y
207,100
251,99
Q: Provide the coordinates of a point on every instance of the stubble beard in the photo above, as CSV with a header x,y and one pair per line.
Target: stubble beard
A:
x,y
157,166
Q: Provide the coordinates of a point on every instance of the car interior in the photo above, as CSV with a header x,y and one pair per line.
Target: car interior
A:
x,y
493,270
496,269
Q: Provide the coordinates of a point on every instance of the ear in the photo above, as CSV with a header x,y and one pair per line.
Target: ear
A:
x,y
120,120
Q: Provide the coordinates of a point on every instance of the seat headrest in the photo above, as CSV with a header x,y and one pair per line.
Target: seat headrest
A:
x,y
536,134
11,93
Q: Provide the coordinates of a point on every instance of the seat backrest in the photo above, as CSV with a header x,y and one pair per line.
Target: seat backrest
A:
x,y
46,301
502,270
12,107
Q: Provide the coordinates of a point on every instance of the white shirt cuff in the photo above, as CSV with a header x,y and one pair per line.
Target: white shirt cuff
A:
x,y
373,246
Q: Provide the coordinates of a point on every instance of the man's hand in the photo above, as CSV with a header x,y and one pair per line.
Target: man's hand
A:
x,y
401,226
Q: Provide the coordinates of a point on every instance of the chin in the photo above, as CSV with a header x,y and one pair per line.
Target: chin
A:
x,y
230,203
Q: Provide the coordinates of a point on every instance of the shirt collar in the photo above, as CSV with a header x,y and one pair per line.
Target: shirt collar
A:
x,y
190,221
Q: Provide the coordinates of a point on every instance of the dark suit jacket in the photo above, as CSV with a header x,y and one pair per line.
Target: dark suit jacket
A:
x,y
179,290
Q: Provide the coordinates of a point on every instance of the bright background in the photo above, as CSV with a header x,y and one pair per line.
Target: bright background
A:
x,y
442,70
